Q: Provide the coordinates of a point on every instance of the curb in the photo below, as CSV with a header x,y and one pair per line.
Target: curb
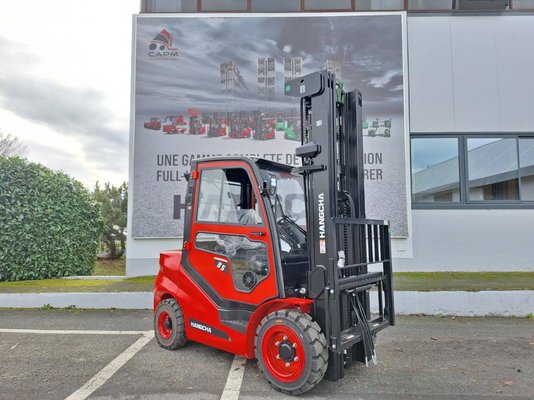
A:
x,y
518,303
122,300
513,303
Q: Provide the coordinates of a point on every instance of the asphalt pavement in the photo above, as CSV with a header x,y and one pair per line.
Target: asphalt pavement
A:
x,y
114,358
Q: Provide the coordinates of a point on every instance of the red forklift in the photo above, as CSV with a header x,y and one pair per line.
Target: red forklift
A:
x,y
174,124
154,123
240,125
218,125
264,126
196,127
257,279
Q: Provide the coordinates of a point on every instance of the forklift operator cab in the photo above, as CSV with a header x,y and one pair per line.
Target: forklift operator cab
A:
x,y
234,200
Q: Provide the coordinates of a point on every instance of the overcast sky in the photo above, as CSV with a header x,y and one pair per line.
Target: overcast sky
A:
x,y
65,83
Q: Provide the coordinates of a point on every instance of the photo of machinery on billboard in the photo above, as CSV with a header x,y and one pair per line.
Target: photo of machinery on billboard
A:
x,y
213,85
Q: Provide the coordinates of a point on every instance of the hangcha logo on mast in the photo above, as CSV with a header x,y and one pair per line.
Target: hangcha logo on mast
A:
x,y
161,47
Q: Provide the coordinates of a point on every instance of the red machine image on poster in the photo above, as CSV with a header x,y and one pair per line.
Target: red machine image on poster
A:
x,y
154,123
174,124
196,127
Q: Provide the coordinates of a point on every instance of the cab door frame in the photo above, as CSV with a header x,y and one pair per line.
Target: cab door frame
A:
x,y
244,301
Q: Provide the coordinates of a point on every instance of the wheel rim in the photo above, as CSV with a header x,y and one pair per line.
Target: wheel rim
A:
x,y
283,353
165,325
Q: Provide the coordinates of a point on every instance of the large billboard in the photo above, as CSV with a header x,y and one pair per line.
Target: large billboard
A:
x,y
213,85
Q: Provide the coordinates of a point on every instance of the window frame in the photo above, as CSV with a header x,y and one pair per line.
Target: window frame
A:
x,y
464,202
148,7
256,194
263,243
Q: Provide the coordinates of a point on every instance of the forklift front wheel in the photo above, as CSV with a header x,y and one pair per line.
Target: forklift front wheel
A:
x,y
291,351
169,325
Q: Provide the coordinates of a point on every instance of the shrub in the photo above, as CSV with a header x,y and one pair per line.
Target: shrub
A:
x,y
49,224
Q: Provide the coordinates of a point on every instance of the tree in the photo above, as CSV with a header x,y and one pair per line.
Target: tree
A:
x,y
50,225
10,145
113,202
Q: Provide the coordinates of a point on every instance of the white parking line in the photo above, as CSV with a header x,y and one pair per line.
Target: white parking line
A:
x,y
71,332
234,380
107,372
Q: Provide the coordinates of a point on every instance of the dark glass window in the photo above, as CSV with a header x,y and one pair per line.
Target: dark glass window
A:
x,y
226,196
223,5
464,170
164,6
249,261
435,170
523,4
379,4
430,4
492,169
492,5
275,5
327,5
526,168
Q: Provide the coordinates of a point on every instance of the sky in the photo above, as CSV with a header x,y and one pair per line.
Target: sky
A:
x,y
65,72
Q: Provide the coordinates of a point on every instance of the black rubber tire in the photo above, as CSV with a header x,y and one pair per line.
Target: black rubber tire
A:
x,y
177,338
315,349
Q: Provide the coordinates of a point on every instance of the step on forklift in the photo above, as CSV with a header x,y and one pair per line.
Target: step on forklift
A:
x,y
257,279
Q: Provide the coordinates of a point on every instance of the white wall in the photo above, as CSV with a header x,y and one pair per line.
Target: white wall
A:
x,y
466,74
471,240
471,74
142,255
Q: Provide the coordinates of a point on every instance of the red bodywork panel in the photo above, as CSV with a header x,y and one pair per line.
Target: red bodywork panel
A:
x,y
173,281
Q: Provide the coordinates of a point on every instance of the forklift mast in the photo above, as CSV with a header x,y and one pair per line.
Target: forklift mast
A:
x,y
343,246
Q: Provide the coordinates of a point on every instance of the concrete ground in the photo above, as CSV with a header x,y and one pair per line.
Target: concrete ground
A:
x,y
420,358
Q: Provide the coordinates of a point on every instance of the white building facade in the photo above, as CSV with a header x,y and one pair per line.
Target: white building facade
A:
x,y
470,98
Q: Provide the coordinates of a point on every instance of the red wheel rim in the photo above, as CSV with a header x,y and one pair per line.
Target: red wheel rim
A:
x,y
165,325
286,367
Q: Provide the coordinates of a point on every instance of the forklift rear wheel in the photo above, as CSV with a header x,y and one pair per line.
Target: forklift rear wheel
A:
x,y
291,351
169,325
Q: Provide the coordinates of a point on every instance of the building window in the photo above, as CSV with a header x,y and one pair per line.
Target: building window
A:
x,y
275,5
223,5
431,4
435,170
368,5
492,169
523,4
482,5
526,168
314,5
472,171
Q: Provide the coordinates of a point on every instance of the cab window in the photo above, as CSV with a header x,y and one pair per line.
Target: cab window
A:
x,y
226,196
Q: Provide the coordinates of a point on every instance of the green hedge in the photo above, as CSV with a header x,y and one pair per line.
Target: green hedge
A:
x,y
49,224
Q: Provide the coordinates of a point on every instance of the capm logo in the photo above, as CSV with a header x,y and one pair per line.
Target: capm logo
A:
x,y
161,46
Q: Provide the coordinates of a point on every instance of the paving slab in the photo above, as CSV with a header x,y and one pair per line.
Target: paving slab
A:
x,y
433,358
53,366
76,319
194,370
